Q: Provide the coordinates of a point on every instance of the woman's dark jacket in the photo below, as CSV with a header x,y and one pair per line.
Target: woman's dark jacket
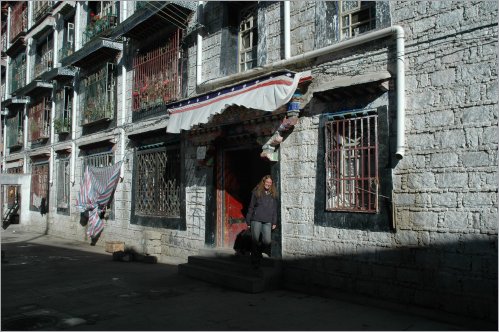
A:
x,y
262,209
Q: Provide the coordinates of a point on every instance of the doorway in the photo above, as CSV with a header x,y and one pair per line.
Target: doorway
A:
x,y
238,171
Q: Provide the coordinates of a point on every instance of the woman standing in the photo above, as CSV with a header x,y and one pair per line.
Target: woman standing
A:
x,y
262,216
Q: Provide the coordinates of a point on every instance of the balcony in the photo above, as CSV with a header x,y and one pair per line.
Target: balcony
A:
x,y
98,96
41,9
157,78
44,63
3,43
99,26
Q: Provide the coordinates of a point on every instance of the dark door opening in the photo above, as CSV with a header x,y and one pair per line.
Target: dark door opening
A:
x,y
241,169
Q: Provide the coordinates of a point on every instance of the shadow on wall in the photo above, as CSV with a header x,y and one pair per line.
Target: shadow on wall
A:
x,y
458,278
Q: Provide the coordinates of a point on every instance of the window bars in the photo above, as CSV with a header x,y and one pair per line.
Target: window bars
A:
x,y
68,42
157,182
18,72
39,186
63,188
98,95
44,57
157,75
352,164
39,118
40,8
357,17
102,19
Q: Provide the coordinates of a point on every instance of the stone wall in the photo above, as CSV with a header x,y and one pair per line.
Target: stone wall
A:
x,y
443,251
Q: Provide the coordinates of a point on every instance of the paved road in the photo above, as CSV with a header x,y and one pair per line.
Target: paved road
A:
x,y
50,283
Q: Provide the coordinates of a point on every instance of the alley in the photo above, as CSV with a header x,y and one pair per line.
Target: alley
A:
x,y
50,283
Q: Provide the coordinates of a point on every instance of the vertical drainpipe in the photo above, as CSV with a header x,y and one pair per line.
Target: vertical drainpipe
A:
x,y
287,31
199,49
75,99
123,99
52,112
399,154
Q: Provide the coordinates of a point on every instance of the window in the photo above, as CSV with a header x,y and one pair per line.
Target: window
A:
x,y
40,9
39,119
248,38
100,158
352,163
157,75
39,187
63,188
18,20
357,17
18,72
68,41
157,182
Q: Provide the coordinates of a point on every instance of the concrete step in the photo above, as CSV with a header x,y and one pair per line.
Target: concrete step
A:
x,y
228,270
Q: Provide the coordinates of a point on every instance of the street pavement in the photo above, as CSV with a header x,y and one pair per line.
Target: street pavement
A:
x,y
50,283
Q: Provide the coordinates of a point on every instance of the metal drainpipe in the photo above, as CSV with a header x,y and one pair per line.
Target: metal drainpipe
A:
x,y
395,30
199,47
123,103
75,99
287,31
52,111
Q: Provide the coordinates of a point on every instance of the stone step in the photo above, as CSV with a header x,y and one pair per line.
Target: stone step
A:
x,y
223,268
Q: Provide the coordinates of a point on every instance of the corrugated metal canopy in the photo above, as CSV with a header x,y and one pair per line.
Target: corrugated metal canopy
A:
x,y
154,16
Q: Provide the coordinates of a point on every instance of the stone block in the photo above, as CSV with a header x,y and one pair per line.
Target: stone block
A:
x,y
423,220
452,180
479,199
424,180
448,199
444,159
457,219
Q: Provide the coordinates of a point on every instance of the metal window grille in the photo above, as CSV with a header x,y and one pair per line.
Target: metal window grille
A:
x,y
157,182
157,75
39,118
15,130
63,189
39,185
18,20
97,93
248,39
101,159
352,164
357,17
63,107
15,170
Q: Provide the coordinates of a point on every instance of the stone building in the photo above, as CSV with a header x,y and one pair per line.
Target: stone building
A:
x,y
377,120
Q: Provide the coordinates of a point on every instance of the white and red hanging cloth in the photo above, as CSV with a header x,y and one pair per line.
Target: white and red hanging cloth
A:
x,y
97,188
267,93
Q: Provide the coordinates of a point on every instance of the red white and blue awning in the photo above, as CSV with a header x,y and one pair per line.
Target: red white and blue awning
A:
x,y
266,93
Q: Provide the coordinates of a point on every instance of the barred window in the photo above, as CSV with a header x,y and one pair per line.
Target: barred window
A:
x,y
96,158
39,187
157,182
357,17
63,185
352,163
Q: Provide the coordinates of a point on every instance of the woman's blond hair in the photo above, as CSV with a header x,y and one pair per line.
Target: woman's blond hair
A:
x,y
260,188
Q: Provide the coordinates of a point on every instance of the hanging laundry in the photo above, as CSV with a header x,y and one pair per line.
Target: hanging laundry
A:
x,y
97,187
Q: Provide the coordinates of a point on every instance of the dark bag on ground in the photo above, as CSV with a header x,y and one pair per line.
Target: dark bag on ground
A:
x,y
242,245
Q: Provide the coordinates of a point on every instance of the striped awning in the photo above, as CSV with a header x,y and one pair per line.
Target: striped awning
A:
x,y
266,93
